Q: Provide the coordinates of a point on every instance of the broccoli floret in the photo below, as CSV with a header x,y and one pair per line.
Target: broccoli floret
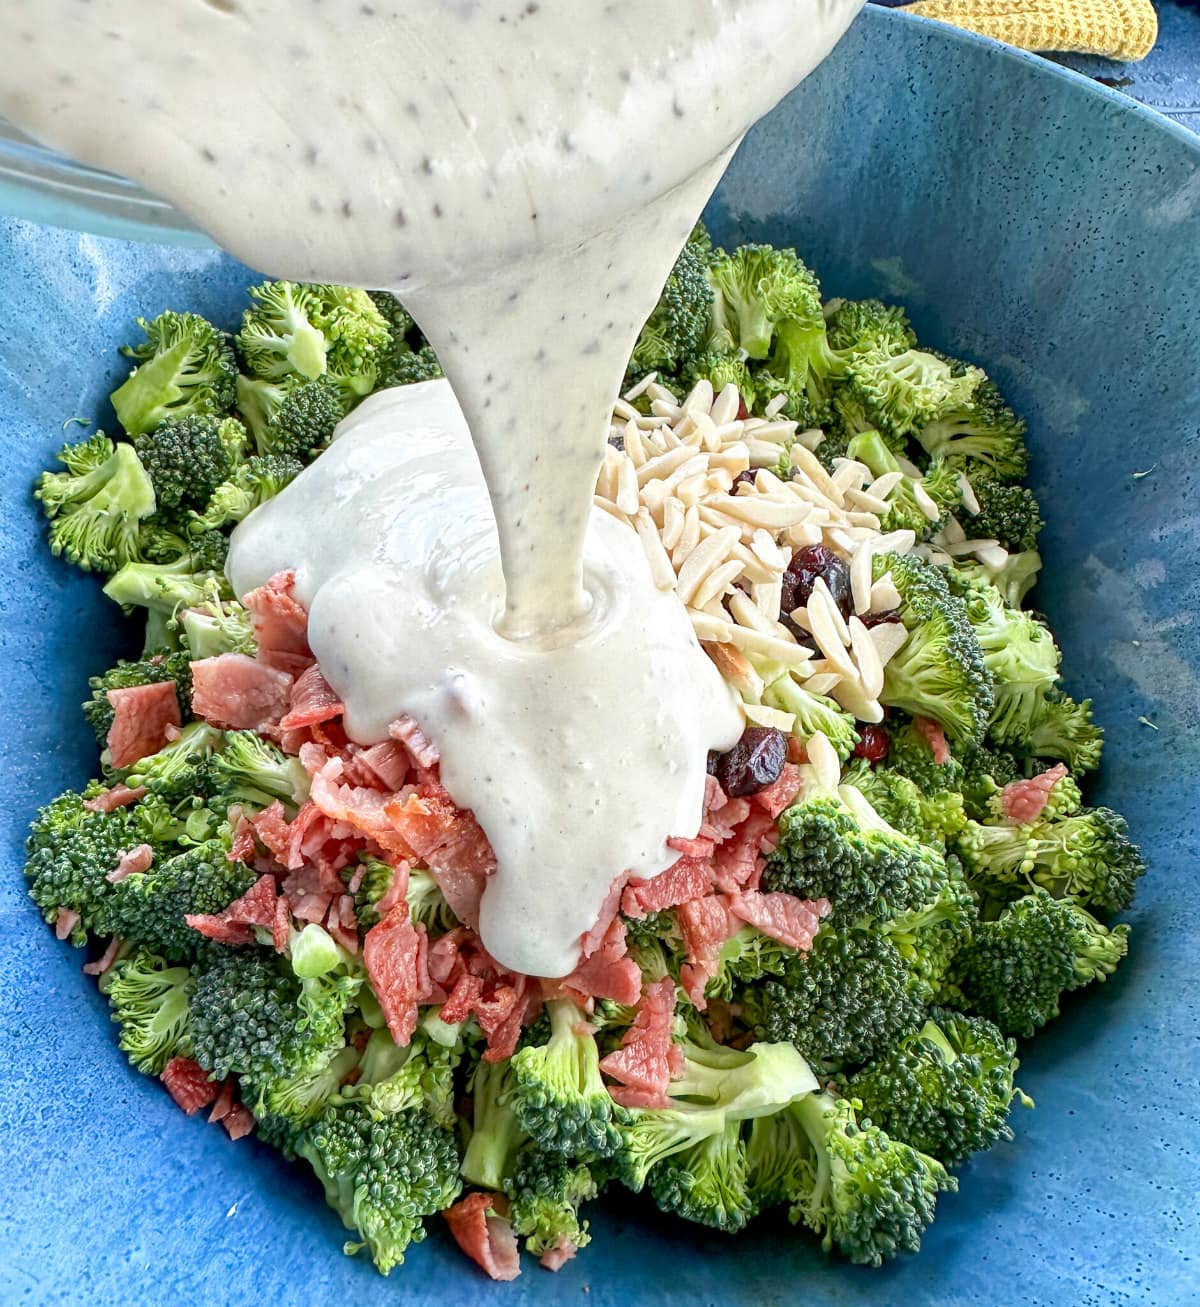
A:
x,y
96,506
848,418
158,666
1007,513
803,366
420,1075
558,1095
946,1090
358,335
545,1193
720,370
814,713
864,326
833,845
496,1134
289,1103
376,880
216,625
70,851
150,908
1014,578
939,671
977,428
747,956
654,1134
259,478
708,1182
382,1174
417,365
910,754
676,330
186,366
781,1163
929,938
252,771
427,905
762,286
164,588
904,392
1064,729
188,457
1086,855
938,487
149,1001
1017,967
180,769
872,1196
843,1002
893,796
984,772
400,322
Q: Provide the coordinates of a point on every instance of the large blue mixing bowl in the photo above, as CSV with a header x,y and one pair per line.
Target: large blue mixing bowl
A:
x,y
1030,220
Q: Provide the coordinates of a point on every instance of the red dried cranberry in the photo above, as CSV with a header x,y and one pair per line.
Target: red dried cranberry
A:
x,y
872,743
745,478
809,564
743,411
753,763
881,618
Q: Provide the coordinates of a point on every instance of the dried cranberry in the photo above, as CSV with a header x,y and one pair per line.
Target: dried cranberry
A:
x,y
743,411
809,564
753,763
881,618
745,478
872,743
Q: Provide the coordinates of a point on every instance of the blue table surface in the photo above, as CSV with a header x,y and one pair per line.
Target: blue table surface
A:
x,y
1168,79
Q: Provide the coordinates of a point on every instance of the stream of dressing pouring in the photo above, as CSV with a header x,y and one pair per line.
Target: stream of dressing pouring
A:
x,y
523,176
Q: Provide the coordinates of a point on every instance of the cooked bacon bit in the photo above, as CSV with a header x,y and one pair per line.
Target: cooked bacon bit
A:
x,y
590,942
366,810
224,1104
705,925
688,879
699,848
783,917
342,931
797,753
239,1121
781,793
133,862
280,624
737,863
281,925
243,847
421,748
188,1084
554,1259
625,1096
385,765
118,797
935,737
1024,801
65,920
463,998
105,960
390,954
641,1062
239,693
312,701
272,827
596,977
481,1229
257,906
141,716
217,926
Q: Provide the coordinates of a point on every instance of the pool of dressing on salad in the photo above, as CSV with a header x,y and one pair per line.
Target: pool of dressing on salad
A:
x,y
522,175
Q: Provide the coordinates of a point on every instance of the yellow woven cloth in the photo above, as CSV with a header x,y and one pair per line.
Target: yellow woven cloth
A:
x,y
1116,29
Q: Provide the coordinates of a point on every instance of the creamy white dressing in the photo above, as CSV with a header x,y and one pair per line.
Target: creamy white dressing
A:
x,y
523,175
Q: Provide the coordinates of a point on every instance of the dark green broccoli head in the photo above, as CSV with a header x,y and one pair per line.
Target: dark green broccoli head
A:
x,y
835,846
708,1182
303,423
1008,513
416,365
893,796
187,458
70,851
558,1095
843,1002
259,478
186,366
149,1001
939,672
911,755
865,326
545,1194
1088,855
977,429
383,1175
946,1090
1062,728
422,1074
929,937
150,908
675,332
157,666
873,1196
985,772
1017,967
180,770
96,506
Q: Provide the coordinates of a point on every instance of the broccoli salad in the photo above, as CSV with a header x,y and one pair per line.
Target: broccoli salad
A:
x,y
814,1010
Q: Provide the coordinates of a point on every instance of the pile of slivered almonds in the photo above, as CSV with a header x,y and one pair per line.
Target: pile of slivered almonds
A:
x,y
725,544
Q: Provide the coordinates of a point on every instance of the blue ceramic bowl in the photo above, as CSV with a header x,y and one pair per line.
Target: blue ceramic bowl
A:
x,y
1031,221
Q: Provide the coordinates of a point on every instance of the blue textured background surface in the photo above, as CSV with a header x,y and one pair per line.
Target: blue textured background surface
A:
x,y
1063,255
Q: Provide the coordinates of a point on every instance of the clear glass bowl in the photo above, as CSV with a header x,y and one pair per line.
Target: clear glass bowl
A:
x,y
41,186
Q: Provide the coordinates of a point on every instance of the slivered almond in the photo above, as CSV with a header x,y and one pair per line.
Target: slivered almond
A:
x,y
803,533
952,532
970,501
610,508
761,715
810,439
883,486
810,465
884,595
850,695
851,475
759,510
642,386
656,390
961,547
866,502
707,555
860,578
823,758
896,542
623,409
870,669
627,486
700,397
717,582
822,682
734,458
689,537
672,526
665,409
888,639
835,613
768,596
662,465
747,613
925,502
736,668
763,453
634,445
693,489
661,570
726,405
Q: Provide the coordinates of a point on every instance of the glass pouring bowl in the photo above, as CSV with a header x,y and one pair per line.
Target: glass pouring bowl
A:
x,y
41,186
